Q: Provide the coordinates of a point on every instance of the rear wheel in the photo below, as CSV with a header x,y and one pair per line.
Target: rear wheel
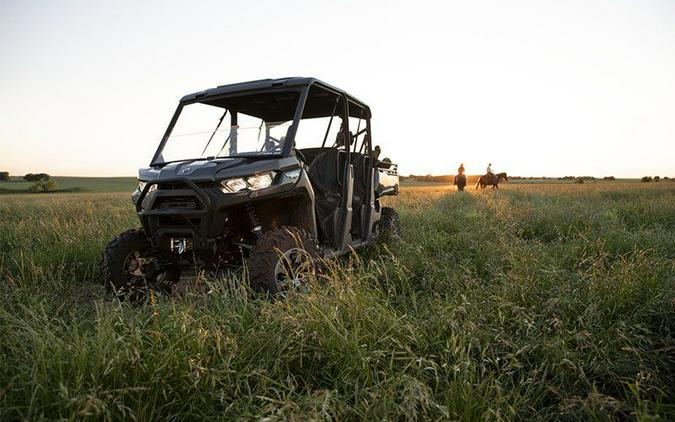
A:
x,y
283,260
130,270
388,227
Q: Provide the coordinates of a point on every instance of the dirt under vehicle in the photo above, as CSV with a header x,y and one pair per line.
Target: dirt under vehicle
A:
x,y
274,172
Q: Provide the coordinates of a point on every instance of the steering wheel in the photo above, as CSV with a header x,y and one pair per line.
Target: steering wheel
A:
x,y
271,145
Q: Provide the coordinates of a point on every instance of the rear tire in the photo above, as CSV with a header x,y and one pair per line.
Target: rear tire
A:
x,y
122,267
389,227
282,260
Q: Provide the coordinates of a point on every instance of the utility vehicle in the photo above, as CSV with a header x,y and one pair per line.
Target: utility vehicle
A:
x,y
277,173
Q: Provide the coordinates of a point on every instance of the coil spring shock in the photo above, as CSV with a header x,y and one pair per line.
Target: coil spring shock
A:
x,y
253,218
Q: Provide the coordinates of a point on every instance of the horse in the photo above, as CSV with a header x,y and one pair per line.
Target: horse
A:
x,y
460,181
492,180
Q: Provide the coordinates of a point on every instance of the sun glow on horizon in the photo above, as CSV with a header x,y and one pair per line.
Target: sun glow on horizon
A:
x,y
536,88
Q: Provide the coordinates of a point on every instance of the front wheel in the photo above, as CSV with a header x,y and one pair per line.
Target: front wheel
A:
x,y
130,270
282,260
388,228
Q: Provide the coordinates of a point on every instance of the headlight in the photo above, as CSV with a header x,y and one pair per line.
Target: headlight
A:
x,y
291,176
258,181
233,185
137,193
141,186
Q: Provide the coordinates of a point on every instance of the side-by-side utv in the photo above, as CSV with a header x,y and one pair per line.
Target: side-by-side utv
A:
x,y
275,173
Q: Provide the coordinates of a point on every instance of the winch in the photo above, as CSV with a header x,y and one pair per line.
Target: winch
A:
x,y
180,245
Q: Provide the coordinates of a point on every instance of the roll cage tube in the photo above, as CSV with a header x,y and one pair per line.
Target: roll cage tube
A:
x,y
347,143
167,133
330,122
289,145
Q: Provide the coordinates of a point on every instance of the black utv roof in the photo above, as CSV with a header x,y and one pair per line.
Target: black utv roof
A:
x,y
320,102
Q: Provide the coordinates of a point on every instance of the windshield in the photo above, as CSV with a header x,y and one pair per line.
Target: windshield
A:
x,y
243,126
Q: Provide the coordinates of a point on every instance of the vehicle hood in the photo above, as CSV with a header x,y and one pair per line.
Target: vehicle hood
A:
x,y
224,168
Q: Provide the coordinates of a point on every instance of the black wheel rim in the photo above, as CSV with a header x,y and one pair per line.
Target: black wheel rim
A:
x,y
136,282
293,269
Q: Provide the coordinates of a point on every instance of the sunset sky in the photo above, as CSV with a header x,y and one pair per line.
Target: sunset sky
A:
x,y
538,88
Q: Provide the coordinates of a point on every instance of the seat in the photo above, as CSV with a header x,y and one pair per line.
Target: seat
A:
x,y
323,174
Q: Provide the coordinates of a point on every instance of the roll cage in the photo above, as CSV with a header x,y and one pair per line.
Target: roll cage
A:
x,y
315,99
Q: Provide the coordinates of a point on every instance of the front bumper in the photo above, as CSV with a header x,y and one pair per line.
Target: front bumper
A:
x,y
198,210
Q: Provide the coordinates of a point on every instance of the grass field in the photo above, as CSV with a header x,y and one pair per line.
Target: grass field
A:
x,y
531,302
84,184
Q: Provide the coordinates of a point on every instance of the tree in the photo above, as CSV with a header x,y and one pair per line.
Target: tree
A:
x,y
35,188
4,176
50,186
43,186
657,178
646,179
35,177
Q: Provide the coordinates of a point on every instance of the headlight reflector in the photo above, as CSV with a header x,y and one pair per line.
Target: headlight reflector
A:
x,y
260,181
233,185
141,186
291,176
255,182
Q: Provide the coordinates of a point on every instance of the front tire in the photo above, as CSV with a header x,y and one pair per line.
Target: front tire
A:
x,y
125,264
282,260
389,227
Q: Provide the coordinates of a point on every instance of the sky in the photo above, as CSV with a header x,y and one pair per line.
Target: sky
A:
x,y
537,88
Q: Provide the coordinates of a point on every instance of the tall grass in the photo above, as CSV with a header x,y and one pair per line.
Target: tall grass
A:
x,y
531,302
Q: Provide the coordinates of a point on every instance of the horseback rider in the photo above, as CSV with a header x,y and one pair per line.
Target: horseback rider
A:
x,y
490,175
490,178
460,179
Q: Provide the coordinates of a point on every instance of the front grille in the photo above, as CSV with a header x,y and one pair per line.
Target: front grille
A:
x,y
178,202
183,185
178,221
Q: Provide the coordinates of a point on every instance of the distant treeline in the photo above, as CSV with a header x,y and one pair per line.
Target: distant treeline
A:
x,y
41,182
450,178
563,178
447,178
429,178
656,179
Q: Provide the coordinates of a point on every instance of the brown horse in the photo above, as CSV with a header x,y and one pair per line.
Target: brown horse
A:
x,y
491,180
460,181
